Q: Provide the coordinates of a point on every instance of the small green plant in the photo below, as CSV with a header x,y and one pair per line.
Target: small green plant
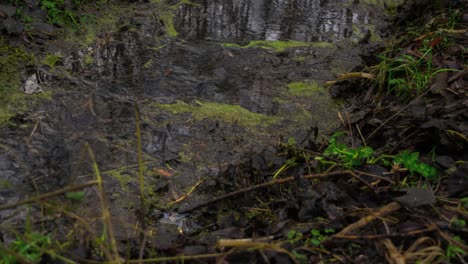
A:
x,y
410,74
294,236
29,246
59,14
353,157
75,196
317,236
51,60
350,157
455,251
410,160
464,202
457,223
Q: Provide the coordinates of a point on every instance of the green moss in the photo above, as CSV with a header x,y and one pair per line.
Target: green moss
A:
x,y
300,59
168,19
148,64
5,184
217,111
12,62
51,59
300,89
90,28
88,59
280,46
123,179
360,34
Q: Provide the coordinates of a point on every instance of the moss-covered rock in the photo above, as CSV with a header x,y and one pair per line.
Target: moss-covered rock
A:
x,y
279,46
217,111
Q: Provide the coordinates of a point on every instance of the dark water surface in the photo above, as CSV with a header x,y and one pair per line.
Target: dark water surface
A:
x,y
204,105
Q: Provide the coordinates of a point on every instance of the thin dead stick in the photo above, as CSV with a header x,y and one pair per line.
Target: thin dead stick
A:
x,y
351,75
245,243
142,247
380,236
360,134
140,174
265,185
396,114
375,176
349,127
106,215
80,220
48,195
453,241
176,258
32,132
183,197
389,208
250,244
224,242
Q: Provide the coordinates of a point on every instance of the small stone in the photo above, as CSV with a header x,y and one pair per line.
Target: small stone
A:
x,y
6,174
445,161
31,86
4,163
12,26
43,29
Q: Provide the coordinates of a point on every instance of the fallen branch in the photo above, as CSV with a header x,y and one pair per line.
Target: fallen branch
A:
x,y
176,258
351,75
48,195
389,208
244,242
265,185
393,235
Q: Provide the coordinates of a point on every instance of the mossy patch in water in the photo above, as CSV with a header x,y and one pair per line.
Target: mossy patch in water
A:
x,y
223,112
281,45
307,88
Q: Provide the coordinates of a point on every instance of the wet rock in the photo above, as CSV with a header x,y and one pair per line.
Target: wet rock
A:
x,y
4,162
416,197
8,10
304,20
31,85
11,26
166,236
5,174
42,30
458,181
194,250
445,161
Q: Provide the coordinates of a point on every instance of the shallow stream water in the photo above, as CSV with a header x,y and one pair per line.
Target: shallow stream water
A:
x,y
206,101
